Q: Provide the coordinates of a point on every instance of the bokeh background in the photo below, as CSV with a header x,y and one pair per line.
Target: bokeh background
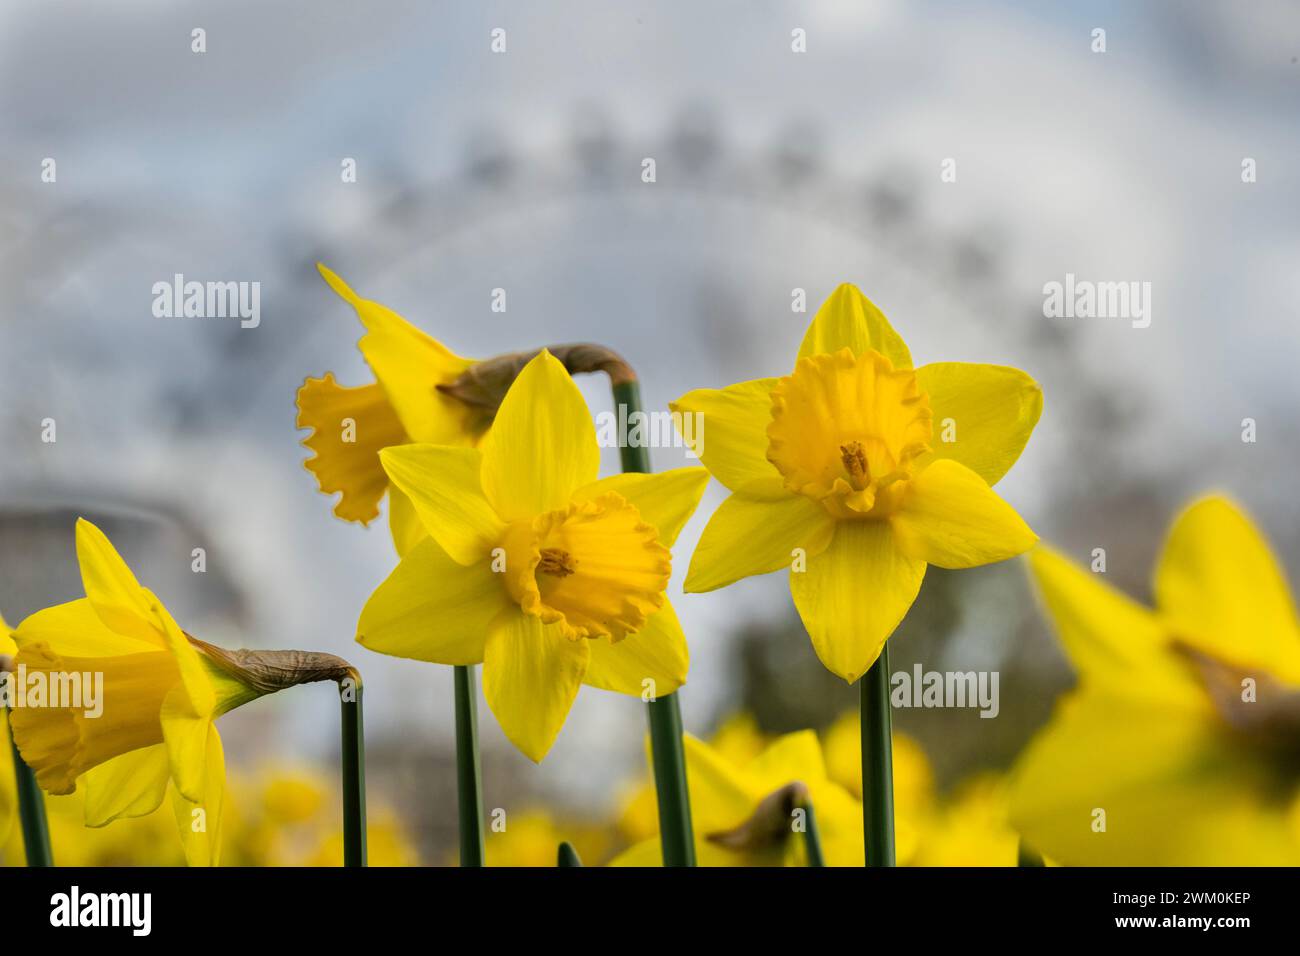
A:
x,y
521,170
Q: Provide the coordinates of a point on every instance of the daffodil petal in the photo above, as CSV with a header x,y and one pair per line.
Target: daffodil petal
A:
x,y
410,365
854,594
186,738
111,588
7,645
731,438
200,821
983,414
403,523
791,757
1114,643
199,692
1223,591
666,499
348,428
747,536
432,608
132,785
656,653
848,319
442,482
542,446
722,795
952,518
531,675
76,630
8,798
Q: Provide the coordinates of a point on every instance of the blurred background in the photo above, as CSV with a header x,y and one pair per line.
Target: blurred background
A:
x,y
521,170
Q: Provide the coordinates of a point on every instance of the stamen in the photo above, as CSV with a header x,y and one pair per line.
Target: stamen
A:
x,y
854,457
557,562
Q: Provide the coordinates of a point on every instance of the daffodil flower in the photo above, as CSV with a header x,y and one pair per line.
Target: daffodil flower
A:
x,y
856,471
745,811
1177,747
404,405
547,576
162,692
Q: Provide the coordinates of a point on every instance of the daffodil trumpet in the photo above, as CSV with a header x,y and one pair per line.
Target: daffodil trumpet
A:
x,y
665,716
163,691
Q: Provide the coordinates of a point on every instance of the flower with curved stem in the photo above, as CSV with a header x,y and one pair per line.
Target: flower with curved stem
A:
x,y
1180,744
745,809
856,471
160,691
547,576
404,404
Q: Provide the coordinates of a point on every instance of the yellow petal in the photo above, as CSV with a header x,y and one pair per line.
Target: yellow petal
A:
x,y
433,609
1221,588
791,757
200,695
186,738
410,365
666,499
747,536
76,630
732,437
131,785
722,795
657,653
531,675
200,820
854,594
952,518
442,482
349,427
542,446
1114,643
989,412
112,589
403,523
848,319
7,645
8,796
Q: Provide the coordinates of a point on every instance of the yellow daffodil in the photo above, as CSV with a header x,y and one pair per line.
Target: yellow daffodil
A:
x,y
547,576
856,471
351,425
744,812
971,827
159,692
1178,745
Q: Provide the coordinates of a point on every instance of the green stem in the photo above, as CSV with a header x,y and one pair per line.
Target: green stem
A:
x,y
1027,856
567,855
877,763
31,813
469,769
353,770
812,837
667,754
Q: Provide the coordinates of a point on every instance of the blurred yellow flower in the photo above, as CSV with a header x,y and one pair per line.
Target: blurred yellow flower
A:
x,y
1178,745
351,425
532,838
836,473
743,811
971,828
157,694
547,576
8,789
